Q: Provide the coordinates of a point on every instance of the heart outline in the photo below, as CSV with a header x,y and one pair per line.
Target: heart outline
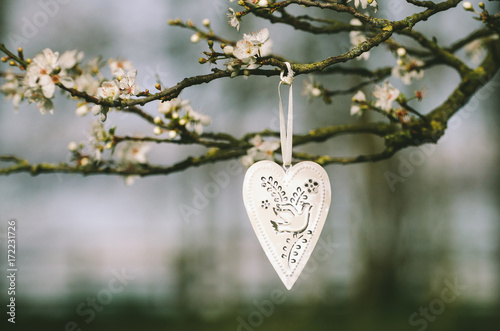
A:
x,y
272,234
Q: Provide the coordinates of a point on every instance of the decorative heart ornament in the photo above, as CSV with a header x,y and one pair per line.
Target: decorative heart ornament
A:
x,y
287,210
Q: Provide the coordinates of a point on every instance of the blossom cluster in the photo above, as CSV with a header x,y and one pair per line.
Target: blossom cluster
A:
x,y
261,150
129,154
408,68
49,69
234,17
91,152
179,114
365,3
385,96
38,85
247,50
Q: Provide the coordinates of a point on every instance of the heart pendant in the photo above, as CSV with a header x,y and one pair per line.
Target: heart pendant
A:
x,y
287,210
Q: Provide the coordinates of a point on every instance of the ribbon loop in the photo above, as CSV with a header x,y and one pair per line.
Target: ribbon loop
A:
x,y
286,131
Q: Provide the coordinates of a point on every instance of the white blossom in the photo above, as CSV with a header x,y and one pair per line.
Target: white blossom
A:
x,y
386,95
245,51
365,3
475,51
12,88
408,68
172,106
82,110
119,67
69,59
253,44
228,50
311,89
258,38
181,110
357,38
86,83
97,136
261,41
261,150
130,180
92,68
40,74
128,86
196,121
47,60
133,152
356,109
233,20
43,104
96,109
108,89
234,66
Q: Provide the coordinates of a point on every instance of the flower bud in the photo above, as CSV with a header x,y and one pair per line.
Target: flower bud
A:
x,y
315,92
468,6
158,86
172,134
195,38
157,130
206,22
96,109
72,146
84,161
158,120
401,52
228,50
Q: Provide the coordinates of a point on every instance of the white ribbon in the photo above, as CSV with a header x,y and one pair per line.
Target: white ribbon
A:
x,y
286,133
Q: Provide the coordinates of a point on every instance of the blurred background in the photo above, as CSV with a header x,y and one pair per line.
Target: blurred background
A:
x,y
411,243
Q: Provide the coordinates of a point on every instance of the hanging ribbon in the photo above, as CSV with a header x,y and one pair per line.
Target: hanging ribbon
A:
x,y
286,132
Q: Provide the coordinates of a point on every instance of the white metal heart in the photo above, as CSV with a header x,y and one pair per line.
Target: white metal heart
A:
x,y
287,211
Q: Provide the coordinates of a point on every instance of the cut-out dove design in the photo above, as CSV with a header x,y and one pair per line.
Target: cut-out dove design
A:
x,y
291,219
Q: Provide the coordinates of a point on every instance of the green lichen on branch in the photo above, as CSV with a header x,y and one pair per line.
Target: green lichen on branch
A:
x,y
423,127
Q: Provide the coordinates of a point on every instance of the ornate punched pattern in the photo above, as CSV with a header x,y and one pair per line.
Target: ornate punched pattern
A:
x,y
287,211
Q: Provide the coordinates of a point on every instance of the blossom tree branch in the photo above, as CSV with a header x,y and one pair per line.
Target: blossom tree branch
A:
x,y
178,123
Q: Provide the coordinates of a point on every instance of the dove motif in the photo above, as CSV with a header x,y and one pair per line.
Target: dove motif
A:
x,y
291,219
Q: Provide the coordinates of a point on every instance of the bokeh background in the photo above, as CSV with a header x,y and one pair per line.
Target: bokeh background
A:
x,y
420,253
